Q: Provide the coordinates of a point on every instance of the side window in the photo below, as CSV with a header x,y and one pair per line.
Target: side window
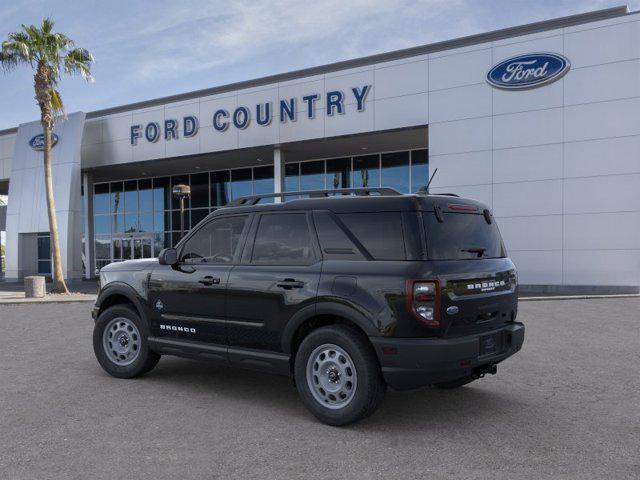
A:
x,y
334,242
283,239
216,242
380,233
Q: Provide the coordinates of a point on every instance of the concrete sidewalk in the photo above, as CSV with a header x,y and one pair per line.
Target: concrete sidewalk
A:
x,y
12,293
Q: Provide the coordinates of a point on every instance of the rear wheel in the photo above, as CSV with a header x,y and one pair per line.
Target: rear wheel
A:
x,y
338,376
454,383
120,343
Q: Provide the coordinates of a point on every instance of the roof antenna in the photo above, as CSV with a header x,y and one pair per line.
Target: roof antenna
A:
x,y
424,190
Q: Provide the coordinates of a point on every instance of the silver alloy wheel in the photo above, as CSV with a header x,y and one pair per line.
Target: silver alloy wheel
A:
x,y
331,376
121,341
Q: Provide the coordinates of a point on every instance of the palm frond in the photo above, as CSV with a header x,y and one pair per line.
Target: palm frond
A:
x,y
78,61
56,101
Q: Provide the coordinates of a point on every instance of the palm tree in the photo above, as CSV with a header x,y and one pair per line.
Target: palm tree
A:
x,y
49,54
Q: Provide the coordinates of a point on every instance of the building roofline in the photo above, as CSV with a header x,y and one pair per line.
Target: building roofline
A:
x,y
494,35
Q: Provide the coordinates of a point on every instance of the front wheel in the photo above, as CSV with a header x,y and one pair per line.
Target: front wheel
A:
x,y
120,343
338,376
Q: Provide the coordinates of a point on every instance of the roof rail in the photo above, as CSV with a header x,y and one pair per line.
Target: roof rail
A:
x,y
254,199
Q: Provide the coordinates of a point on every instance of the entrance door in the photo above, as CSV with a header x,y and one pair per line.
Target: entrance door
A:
x,y
132,247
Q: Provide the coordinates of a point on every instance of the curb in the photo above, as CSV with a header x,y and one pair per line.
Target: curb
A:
x,y
37,301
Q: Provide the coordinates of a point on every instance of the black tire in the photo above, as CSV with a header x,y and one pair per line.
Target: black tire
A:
x,y
145,359
450,385
370,386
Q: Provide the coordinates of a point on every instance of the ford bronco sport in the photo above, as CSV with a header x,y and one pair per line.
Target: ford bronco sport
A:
x,y
346,291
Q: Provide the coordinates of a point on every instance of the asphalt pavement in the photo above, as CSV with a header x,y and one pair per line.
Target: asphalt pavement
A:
x,y
566,407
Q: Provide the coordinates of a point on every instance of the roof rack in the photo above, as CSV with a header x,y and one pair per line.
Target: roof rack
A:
x,y
254,199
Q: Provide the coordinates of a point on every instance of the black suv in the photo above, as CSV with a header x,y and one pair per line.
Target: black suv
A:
x,y
346,291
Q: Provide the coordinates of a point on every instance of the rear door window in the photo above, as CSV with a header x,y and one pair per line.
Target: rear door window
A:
x,y
283,239
462,236
334,241
380,233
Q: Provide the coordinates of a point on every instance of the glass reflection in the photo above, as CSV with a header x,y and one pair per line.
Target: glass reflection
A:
x,y
395,171
339,173
240,182
366,171
419,169
312,175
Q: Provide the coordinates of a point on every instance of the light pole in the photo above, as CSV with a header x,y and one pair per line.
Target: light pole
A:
x,y
182,192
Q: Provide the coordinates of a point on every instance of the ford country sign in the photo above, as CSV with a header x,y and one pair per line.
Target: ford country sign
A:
x,y
528,71
37,142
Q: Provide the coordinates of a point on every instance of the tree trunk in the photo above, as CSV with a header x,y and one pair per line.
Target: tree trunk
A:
x,y
42,85
59,285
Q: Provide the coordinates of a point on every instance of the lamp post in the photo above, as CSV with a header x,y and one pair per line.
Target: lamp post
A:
x,y
181,192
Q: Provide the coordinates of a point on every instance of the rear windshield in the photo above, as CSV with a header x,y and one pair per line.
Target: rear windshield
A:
x,y
462,236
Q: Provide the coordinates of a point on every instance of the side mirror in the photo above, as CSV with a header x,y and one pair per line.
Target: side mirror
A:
x,y
168,256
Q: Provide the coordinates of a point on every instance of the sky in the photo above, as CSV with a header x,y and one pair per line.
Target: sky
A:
x,y
148,49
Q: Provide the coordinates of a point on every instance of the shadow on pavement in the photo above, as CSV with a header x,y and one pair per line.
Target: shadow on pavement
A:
x,y
424,408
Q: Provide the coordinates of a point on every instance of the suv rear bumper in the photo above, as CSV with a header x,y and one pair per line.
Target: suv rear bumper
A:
x,y
414,362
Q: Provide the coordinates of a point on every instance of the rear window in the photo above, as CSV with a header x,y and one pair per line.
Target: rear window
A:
x,y
379,233
462,236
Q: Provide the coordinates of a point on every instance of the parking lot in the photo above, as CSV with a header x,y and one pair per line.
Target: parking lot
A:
x,y
565,407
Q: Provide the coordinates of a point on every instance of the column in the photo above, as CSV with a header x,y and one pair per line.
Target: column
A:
x,y
87,205
278,172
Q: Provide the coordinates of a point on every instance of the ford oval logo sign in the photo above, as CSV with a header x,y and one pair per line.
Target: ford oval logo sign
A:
x,y
37,142
528,71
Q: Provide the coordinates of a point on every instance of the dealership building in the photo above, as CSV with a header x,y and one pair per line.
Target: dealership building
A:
x,y
541,122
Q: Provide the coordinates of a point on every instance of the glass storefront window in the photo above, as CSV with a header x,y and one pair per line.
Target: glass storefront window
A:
x,y
263,181
312,175
240,182
102,224
145,195
161,194
145,222
292,177
419,169
131,196
116,197
220,188
339,173
395,171
101,198
161,221
200,190
366,171
102,244
117,223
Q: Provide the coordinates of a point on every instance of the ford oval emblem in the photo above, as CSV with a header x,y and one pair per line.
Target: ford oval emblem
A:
x,y
452,310
37,142
528,71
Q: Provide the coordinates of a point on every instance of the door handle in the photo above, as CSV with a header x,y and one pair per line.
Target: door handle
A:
x,y
209,280
289,283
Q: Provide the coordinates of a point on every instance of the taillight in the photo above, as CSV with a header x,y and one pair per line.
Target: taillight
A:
x,y
423,299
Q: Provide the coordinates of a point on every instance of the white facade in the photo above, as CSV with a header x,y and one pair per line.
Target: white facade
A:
x,y
558,164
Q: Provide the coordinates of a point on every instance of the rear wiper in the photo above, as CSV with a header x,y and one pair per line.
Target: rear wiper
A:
x,y
478,250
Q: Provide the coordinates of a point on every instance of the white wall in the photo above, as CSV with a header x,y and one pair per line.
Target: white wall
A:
x,y
6,153
27,208
559,164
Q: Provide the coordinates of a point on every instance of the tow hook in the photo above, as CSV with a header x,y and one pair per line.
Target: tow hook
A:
x,y
480,372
